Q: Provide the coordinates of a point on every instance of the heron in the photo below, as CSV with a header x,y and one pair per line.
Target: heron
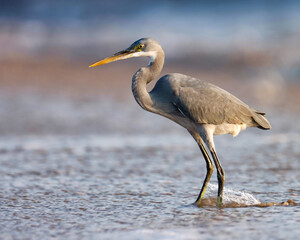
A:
x,y
200,107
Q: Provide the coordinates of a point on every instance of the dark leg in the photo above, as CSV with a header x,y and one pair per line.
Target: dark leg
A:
x,y
209,167
221,177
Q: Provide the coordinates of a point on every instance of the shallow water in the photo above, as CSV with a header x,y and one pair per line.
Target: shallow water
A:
x,y
137,181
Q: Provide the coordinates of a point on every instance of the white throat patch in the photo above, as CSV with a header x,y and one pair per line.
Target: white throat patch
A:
x,y
152,55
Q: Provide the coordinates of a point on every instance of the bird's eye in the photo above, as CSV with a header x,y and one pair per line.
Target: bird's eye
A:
x,y
140,46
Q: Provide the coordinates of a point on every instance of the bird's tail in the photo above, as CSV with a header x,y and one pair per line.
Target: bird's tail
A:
x,y
261,121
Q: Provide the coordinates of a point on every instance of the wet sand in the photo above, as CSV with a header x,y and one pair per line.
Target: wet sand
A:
x,y
255,82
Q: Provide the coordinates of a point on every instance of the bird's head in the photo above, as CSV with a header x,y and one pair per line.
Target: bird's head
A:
x,y
144,47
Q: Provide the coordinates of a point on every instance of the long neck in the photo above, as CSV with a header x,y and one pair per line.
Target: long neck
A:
x,y
144,76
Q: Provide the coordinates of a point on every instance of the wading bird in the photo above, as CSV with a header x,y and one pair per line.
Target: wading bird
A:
x,y
202,108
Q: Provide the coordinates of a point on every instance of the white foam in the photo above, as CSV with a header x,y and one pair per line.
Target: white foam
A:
x,y
233,196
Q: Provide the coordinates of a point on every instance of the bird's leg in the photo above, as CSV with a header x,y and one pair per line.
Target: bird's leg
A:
x,y
209,171
209,167
221,177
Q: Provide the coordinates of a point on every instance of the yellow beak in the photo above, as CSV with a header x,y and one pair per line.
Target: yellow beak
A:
x,y
118,56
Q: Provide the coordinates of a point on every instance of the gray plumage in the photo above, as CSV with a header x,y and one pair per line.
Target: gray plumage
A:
x,y
202,108
205,103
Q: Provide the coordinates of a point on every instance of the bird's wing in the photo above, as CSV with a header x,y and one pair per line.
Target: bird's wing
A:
x,y
206,103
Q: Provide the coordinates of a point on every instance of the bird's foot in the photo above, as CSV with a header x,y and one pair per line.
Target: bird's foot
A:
x,y
219,202
197,203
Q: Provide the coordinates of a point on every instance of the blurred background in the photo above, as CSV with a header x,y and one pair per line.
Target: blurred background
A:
x,y
81,160
250,48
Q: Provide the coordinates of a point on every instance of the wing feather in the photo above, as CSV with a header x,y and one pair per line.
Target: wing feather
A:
x,y
206,103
